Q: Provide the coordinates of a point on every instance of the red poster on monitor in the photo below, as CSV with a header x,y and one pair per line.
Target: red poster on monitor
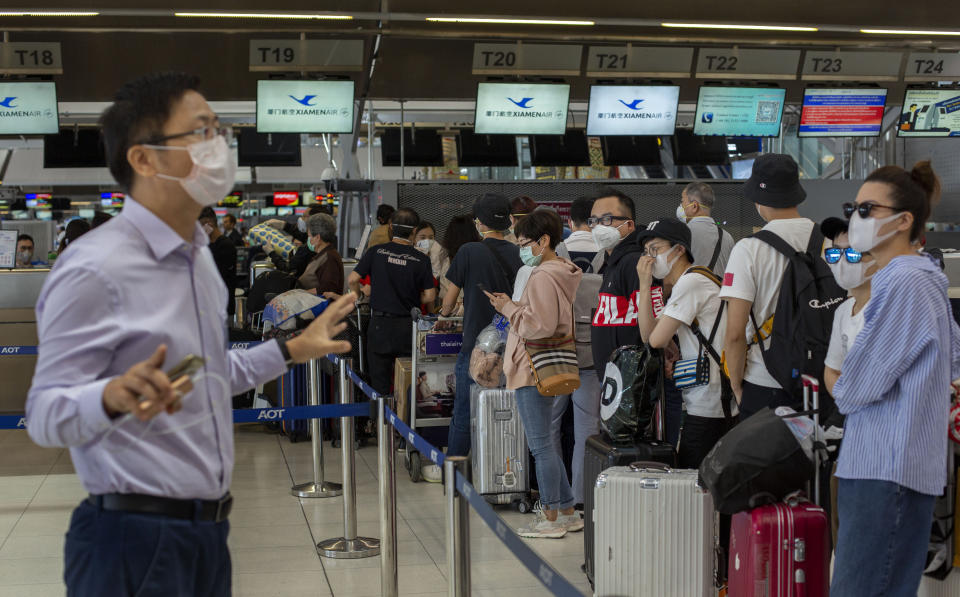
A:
x,y
285,198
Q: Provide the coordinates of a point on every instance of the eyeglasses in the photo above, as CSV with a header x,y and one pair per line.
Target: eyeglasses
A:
x,y
605,220
833,255
205,133
865,208
527,243
654,250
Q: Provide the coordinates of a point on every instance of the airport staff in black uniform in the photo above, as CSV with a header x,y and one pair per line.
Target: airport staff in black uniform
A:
x,y
401,280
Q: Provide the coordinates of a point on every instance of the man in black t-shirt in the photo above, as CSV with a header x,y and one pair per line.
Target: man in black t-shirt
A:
x,y
401,280
490,265
224,254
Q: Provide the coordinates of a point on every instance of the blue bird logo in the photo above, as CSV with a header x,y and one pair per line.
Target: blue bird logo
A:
x,y
8,102
523,103
634,105
306,101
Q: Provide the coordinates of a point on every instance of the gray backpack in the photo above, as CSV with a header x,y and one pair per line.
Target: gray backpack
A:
x,y
584,306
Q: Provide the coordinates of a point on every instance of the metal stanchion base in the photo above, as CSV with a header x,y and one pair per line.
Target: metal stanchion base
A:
x,y
349,549
312,490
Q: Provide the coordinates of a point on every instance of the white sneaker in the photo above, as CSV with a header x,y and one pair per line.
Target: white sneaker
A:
x,y
431,473
572,522
541,528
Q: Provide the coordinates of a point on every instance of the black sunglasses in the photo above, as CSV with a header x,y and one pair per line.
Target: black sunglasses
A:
x,y
865,208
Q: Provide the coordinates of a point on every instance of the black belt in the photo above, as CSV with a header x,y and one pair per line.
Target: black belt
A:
x,y
200,510
390,315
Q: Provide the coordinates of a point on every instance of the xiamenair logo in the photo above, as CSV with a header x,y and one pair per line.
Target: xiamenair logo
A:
x,y
637,109
15,110
522,103
8,102
306,101
527,110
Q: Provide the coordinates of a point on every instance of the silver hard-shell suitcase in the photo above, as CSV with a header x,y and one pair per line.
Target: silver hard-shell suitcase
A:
x,y
654,533
499,453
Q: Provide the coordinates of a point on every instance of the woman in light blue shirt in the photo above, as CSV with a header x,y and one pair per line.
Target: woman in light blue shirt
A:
x,y
894,388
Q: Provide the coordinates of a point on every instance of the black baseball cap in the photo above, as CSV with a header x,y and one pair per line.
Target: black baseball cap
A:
x,y
493,211
834,227
775,182
670,229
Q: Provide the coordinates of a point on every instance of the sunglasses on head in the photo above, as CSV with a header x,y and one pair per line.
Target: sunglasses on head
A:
x,y
833,255
865,208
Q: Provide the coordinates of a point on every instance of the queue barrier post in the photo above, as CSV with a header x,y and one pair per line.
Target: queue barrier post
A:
x,y
319,487
458,529
350,546
388,501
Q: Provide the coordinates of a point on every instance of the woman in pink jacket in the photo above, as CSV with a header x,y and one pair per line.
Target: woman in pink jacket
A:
x,y
544,310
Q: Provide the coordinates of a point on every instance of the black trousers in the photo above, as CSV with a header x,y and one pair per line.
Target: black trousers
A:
x,y
387,339
699,436
120,554
755,398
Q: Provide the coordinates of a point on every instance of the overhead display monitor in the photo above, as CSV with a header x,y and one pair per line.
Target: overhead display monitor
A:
x,y
304,106
521,109
739,111
268,149
82,148
569,149
29,108
632,110
930,113
286,198
421,147
842,112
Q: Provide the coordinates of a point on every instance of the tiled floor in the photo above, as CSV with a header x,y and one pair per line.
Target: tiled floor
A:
x,y
272,533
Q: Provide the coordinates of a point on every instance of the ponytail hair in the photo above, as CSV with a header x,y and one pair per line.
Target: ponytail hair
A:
x,y
916,191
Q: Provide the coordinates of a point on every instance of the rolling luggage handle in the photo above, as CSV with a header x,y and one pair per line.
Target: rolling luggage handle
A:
x,y
811,385
650,466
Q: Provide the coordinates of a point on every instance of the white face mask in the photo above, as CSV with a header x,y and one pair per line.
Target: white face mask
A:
x,y
681,214
425,244
850,275
301,225
213,173
864,232
606,237
661,267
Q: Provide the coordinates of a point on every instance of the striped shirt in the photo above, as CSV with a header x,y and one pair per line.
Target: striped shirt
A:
x,y
895,381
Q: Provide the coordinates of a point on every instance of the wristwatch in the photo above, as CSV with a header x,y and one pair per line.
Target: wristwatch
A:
x,y
287,359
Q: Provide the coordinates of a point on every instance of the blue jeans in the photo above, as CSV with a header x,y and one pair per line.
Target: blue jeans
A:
x,y
118,554
586,422
882,540
458,441
537,415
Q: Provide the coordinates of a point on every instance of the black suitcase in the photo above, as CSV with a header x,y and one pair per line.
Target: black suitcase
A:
x,y
599,455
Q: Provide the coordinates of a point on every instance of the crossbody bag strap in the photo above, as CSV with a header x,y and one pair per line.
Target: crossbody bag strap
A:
x,y
716,249
725,393
511,280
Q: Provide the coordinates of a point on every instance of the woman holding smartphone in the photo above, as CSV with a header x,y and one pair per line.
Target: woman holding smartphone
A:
x,y
893,388
544,310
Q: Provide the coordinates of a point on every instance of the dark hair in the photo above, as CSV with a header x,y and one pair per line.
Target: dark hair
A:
x,y
75,229
318,208
580,210
100,217
522,205
207,213
424,225
625,201
26,237
140,109
384,212
230,217
538,223
460,231
916,191
404,221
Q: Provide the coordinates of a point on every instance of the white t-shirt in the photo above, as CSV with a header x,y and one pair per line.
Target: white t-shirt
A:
x,y
703,235
846,326
754,273
696,297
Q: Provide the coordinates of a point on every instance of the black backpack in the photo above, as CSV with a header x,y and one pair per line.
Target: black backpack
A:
x,y
803,319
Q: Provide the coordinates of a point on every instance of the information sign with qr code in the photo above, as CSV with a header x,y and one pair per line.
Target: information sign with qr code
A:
x,y
768,111
739,111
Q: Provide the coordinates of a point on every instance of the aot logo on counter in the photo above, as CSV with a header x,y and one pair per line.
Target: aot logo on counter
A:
x,y
632,109
29,108
305,106
521,109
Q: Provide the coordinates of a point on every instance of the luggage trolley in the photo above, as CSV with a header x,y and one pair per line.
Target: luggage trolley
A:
x,y
435,340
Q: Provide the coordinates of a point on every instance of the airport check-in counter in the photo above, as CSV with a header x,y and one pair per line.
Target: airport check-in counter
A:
x,y
19,290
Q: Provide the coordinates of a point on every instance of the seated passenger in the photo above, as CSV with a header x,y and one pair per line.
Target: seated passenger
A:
x,y
323,275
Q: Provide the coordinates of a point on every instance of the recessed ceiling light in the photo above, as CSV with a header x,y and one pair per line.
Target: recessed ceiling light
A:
x,y
51,13
263,15
908,32
507,21
735,26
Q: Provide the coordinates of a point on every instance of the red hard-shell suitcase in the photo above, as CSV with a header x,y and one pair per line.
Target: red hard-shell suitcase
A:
x,y
780,550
